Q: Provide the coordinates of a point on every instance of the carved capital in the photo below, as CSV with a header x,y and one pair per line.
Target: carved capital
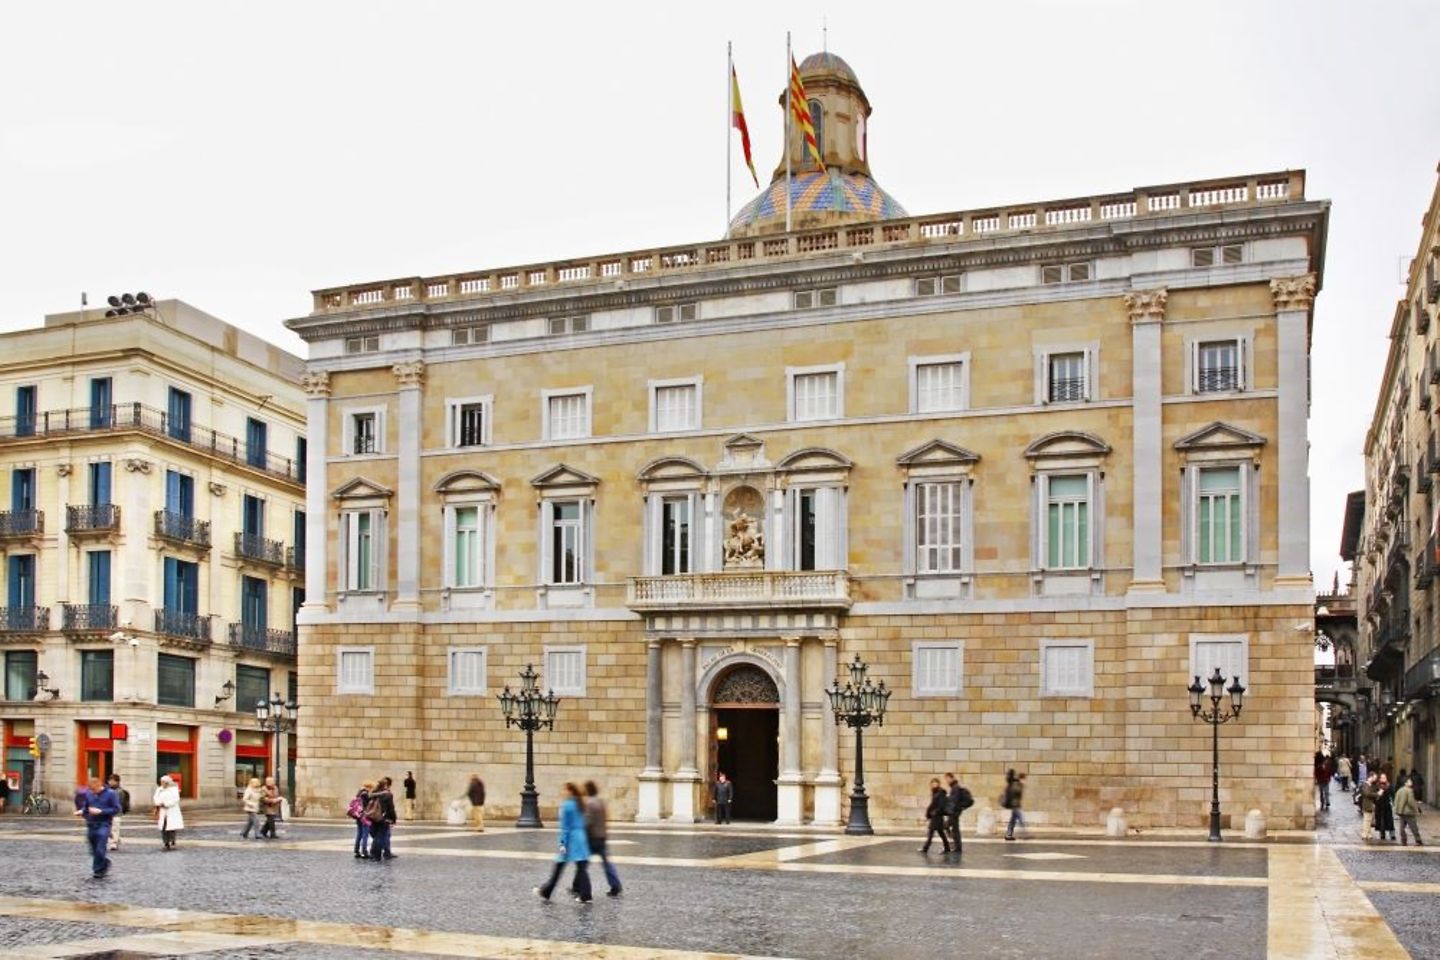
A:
x,y
1146,306
410,374
315,383
1293,293
217,489
63,469
136,465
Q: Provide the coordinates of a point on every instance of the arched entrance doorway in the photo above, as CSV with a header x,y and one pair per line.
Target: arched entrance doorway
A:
x,y
745,738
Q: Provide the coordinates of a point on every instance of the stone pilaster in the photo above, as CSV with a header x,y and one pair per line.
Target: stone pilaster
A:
x,y
316,384
1293,298
789,790
685,785
828,785
1147,314
652,777
409,381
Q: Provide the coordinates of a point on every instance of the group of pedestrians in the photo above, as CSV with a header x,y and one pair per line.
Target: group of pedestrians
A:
x,y
101,804
257,800
950,800
1382,803
373,810
583,834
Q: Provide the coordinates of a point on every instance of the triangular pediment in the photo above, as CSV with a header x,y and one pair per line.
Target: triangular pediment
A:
x,y
742,452
564,475
1220,436
361,489
671,468
815,458
1067,444
937,453
467,481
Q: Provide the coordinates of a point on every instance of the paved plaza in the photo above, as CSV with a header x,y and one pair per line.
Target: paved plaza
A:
x,y
705,892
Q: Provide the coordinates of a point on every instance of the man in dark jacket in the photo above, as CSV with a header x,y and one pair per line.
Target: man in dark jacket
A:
x,y
99,805
409,795
724,794
957,801
381,825
935,817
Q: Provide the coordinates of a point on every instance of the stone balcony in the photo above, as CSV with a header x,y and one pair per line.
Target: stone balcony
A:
x,y
742,590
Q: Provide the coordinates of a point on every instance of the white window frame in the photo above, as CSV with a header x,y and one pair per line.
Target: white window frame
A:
x,y
1047,686
482,510
961,498
349,532
1066,268
1203,672
367,343
588,392
363,688
572,690
348,430
572,323
678,312
1244,357
920,691
453,687
815,296
654,388
1242,480
963,359
1090,367
937,283
791,373
582,545
1042,482
453,406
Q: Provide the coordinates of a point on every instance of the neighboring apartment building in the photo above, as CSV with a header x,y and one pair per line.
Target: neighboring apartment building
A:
x,y
1395,552
153,547
1039,465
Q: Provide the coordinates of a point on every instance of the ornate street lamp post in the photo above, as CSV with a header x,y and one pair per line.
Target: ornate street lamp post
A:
x,y
1215,716
529,710
858,705
277,717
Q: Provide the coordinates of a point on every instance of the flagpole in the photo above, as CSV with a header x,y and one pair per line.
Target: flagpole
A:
x,y
789,59
729,125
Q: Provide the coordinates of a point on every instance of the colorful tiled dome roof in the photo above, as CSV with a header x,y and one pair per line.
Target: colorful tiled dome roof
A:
x,y
819,193
828,61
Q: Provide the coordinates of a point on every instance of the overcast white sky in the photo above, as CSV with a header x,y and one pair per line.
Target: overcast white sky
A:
x,y
238,155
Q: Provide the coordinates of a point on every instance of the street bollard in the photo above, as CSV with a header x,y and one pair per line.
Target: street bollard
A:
x,y
1254,825
1115,823
985,822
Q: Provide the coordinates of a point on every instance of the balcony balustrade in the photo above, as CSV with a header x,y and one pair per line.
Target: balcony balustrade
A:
x,y
87,617
182,625
24,619
249,638
21,524
742,589
295,558
1423,677
250,546
182,529
1335,678
98,518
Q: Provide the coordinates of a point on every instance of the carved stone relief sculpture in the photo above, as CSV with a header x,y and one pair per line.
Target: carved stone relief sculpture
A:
x,y
744,531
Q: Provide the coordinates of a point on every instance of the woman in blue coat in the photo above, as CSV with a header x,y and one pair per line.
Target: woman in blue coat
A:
x,y
574,847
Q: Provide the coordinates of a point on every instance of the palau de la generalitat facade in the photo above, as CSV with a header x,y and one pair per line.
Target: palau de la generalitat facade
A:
x,y
1038,464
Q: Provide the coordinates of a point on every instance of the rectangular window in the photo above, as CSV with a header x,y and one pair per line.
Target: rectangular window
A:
x,y
937,527
806,512
355,668
825,297
936,668
175,681
676,313
469,423
467,670
252,516
1219,516
178,416
97,675
25,411
180,494
1077,272
574,324
252,685
567,416
1065,377
182,586
100,489
939,386
302,459
675,535
102,402
364,433
22,491
1067,522
937,286
567,543
254,604
362,344
1209,256
361,550
564,671
21,568
464,336
677,407
1067,668
466,547
257,445
1217,366
97,563
1227,653
20,669
816,396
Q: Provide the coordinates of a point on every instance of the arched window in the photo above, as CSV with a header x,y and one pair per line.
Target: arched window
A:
x,y
817,117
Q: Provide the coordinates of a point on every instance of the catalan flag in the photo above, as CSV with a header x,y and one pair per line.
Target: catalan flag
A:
x,y
737,120
800,107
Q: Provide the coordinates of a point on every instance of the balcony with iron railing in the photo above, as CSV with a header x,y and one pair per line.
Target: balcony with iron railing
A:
x,y
752,589
137,417
1432,282
1425,469
97,519
1067,389
252,546
1398,552
21,524
1218,380
295,558
1423,677
1335,678
179,528
1425,564
24,619
183,625
245,637
88,617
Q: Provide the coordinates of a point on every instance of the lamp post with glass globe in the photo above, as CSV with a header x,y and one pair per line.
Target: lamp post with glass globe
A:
x,y
277,717
858,705
530,710
1215,716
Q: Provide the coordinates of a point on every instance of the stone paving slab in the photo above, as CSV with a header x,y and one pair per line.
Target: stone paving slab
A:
x,y
1413,918
1204,861
1387,863
26,931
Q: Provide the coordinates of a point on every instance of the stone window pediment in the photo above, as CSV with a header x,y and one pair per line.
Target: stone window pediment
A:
x,y
361,492
467,483
562,480
938,458
743,452
1067,448
672,470
1221,440
816,465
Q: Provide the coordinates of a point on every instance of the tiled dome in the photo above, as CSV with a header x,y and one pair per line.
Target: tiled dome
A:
x,y
827,61
819,193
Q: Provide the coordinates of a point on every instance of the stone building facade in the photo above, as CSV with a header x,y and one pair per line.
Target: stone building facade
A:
x,y
1037,464
1393,537
155,466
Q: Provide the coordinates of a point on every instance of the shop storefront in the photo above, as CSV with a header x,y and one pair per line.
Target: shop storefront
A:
x,y
175,749
252,757
96,756
19,764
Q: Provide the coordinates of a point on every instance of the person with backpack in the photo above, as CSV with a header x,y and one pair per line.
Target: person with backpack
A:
x,y
113,781
957,801
1013,799
935,817
380,811
356,812
250,803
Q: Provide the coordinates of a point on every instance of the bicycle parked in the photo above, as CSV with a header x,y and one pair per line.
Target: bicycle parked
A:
x,y
36,802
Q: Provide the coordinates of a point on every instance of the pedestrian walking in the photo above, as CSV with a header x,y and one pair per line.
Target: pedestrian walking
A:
x,y
574,848
356,812
957,801
113,781
99,805
475,793
1362,769
597,832
270,807
250,804
1322,779
168,817
1013,800
935,817
1409,812
1368,792
409,795
1384,809
1342,773
723,792
381,812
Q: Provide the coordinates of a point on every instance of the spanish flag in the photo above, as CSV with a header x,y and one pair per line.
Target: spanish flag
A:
x,y
737,120
800,107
